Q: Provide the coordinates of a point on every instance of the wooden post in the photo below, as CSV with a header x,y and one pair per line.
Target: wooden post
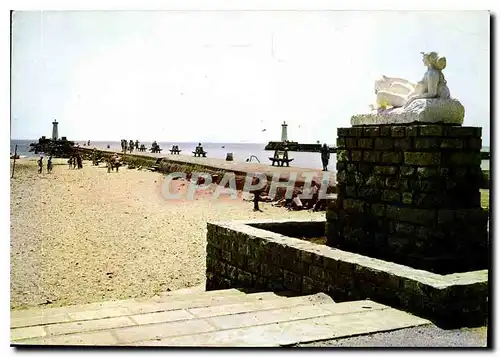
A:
x,y
14,163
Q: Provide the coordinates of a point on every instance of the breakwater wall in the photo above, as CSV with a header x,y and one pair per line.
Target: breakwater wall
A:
x,y
217,169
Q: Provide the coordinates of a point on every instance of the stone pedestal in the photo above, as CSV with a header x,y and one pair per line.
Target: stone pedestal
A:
x,y
410,194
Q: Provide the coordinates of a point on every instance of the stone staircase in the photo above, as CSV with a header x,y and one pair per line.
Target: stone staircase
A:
x,y
156,165
206,318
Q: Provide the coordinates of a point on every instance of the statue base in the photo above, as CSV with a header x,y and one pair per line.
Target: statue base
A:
x,y
435,110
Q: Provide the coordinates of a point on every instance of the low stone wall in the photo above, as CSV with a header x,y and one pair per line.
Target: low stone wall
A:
x,y
410,194
241,255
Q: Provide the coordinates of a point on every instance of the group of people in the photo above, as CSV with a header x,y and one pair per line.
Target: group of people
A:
x,y
129,145
302,198
155,148
49,164
75,161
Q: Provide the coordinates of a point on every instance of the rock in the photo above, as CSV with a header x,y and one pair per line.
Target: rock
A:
x,y
436,110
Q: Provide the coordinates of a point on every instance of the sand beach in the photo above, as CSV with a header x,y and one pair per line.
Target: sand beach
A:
x,y
81,236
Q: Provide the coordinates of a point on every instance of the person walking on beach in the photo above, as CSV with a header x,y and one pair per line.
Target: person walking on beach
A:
x,y
79,161
325,156
256,195
49,164
40,164
115,161
74,162
109,164
315,195
94,157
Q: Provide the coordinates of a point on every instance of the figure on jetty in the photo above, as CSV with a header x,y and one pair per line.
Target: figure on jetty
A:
x,y
124,145
198,151
131,145
137,144
155,148
399,92
325,156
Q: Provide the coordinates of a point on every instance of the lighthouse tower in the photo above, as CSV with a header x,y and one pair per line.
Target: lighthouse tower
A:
x,y
284,136
55,134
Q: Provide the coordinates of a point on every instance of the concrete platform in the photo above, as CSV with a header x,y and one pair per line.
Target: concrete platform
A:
x,y
216,318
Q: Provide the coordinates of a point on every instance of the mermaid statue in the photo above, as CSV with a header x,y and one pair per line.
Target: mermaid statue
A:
x,y
399,92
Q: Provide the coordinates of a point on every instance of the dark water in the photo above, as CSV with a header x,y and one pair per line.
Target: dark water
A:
x,y
240,152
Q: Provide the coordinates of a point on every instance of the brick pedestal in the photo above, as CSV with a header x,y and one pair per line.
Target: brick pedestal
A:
x,y
410,194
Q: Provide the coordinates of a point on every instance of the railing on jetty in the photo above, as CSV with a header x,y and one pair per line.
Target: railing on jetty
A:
x,y
295,146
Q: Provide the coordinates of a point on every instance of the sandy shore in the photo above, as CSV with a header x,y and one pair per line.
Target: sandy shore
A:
x,y
80,236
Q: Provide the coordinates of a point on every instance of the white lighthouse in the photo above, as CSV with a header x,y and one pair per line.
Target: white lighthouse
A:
x,y
284,136
55,134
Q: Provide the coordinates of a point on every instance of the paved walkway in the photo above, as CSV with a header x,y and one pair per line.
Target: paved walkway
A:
x,y
215,318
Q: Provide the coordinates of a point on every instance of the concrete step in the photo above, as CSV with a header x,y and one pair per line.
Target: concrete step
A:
x,y
260,305
192,291
209,305
266,322
244,308
115,309
294,331
36,316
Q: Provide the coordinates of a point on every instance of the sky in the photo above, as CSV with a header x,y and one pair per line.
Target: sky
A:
x,y
230,76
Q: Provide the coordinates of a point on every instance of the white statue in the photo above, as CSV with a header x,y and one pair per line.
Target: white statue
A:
x,y
398,92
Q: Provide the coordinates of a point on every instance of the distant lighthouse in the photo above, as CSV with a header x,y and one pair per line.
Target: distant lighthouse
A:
x,y
55,134
284,136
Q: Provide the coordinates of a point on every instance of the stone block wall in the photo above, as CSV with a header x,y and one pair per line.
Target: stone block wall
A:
x,y
410,194
253,255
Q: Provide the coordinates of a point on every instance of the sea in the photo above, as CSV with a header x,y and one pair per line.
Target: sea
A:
x,y
255,152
